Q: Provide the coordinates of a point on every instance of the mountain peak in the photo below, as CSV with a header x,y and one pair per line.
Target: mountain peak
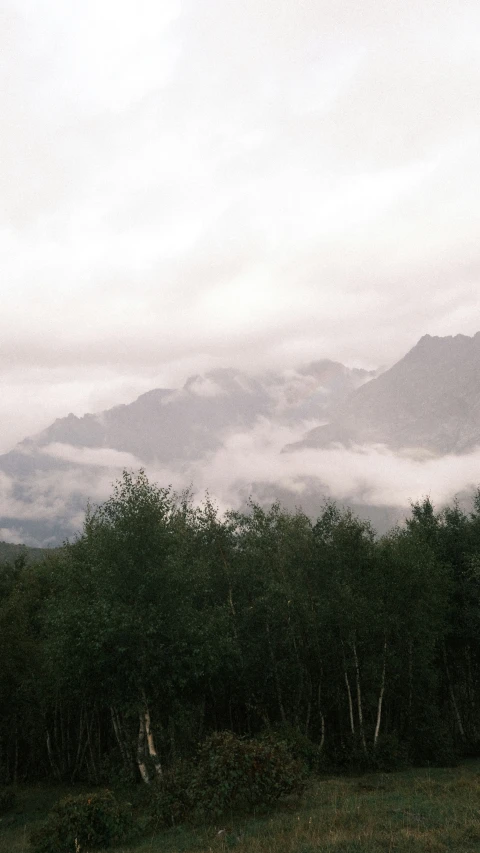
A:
x,y
429,400
447,340
176,430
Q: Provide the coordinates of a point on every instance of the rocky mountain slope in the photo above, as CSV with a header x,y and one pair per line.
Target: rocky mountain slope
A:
x,y
46,479
371,441
429,401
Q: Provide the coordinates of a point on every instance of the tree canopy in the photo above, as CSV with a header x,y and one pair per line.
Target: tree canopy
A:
x,y
163,622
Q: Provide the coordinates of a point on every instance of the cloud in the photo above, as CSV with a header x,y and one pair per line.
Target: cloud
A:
x,y
11,535
249,463
204,386
101,457
186,186
369,475
39,501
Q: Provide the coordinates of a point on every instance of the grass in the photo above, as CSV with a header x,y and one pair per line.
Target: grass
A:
x,y
431,811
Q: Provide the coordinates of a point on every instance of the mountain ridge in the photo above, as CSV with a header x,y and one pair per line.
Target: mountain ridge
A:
x,y
51,475
429,400
319,430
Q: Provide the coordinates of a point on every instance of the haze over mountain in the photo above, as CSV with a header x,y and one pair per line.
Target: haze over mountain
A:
x,y
46,479
374,441
428,401
187,186
174,425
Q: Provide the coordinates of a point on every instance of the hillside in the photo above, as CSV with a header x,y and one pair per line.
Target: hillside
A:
x,y
368,440
10,552
49,477
429,400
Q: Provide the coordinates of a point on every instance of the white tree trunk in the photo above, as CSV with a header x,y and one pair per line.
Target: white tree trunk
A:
x,y
141,750
380,695
350,703
349,692
359,698
151,745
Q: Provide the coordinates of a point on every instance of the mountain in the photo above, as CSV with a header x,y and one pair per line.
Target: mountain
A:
x,y
372,441
428,402
48,478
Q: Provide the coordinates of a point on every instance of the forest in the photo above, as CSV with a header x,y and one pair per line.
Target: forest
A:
x,y
164,622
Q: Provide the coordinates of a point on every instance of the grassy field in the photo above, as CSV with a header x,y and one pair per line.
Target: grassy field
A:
x,y
422,810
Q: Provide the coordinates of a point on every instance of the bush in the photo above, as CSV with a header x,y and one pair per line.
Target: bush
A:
x,y
234,773
84,821
169,798
7,800
230,773
298,745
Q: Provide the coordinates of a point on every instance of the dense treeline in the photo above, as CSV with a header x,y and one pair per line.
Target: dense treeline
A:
x,y
163,622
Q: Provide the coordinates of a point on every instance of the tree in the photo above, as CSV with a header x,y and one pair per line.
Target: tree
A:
x,y
123,622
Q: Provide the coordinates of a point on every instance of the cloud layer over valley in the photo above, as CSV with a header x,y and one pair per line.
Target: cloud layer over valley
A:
x,y
373,479
274,435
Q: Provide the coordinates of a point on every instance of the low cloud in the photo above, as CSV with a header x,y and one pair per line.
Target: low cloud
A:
x,y
249,463
11,535
98,457
205,386
370,475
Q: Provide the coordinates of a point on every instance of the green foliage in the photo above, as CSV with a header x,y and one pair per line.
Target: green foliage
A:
x,y
169,800
234,773
7,799
316,631
300,747
229,774
85,821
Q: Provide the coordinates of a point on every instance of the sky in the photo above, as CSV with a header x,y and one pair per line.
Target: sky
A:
x,y
186,185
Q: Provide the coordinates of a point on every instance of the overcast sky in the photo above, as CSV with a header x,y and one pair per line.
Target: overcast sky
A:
x,y
193,183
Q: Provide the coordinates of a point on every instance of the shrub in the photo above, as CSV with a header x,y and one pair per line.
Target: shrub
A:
x,y
230,773
84,821
170,801
234,772
298,745
7,800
